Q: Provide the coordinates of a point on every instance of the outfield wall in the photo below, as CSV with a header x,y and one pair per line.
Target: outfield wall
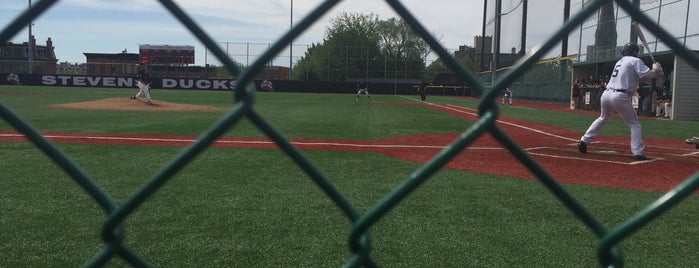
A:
x,y
227,84
60,80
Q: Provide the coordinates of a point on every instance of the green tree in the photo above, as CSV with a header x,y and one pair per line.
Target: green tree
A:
x,y
222,72
304,68
437,67
351,42
434,69
360,46
399,42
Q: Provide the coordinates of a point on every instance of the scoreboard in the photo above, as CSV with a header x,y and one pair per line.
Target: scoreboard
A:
x,y
166,54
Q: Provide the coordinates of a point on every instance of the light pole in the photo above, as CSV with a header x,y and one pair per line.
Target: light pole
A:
x,y
496,39
291,44
30,54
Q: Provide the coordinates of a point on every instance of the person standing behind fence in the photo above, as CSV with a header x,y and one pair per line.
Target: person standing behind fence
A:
x,y
143,82
576,93
664,104
627,73
507,95
362,88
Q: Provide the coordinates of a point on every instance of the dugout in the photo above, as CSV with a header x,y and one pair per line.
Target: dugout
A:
x,y
684,81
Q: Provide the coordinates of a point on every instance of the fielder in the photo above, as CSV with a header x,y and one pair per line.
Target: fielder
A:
x,y
507,96
143,84
362,88
622,85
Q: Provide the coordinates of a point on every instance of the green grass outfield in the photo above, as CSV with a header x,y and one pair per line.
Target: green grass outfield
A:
x,y
255,208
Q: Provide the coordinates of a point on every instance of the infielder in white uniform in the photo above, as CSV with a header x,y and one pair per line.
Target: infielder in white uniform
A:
x,y
507,95
627,74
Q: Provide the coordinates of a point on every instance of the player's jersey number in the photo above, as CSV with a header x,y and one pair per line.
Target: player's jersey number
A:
x,y
616,71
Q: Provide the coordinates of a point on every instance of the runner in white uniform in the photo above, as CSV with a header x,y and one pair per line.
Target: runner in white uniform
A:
x,y
627,73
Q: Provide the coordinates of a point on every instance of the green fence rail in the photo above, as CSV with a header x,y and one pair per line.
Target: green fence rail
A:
x,y
609,250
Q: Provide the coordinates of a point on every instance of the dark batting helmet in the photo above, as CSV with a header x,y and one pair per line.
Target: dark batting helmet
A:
x,y
630,49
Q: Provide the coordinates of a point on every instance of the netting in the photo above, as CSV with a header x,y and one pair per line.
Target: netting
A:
x,y
511,25
113,230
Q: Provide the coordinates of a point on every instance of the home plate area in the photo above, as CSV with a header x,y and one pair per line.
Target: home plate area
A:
x,y
617,153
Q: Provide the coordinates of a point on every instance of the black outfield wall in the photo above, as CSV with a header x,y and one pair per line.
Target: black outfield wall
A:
x,y
222,84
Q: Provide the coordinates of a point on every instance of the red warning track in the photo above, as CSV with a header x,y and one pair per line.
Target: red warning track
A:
x,y
607,162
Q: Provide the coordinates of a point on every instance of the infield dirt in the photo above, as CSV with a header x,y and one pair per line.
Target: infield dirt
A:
x,y
127,104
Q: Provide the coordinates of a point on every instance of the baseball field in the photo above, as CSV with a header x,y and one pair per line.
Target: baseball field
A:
x,y
244,202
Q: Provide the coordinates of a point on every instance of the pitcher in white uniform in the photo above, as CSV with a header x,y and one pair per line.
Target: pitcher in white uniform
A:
x,y
625,77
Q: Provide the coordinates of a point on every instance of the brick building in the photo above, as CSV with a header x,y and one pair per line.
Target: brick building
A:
x,y
127,64
14,58
482,54
111,64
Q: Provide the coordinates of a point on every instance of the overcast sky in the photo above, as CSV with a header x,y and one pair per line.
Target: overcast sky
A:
x,y
110,26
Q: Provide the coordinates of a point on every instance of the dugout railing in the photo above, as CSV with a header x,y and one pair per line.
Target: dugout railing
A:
x,y
609,250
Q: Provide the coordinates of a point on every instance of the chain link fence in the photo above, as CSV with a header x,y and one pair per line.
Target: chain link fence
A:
x,y
113,230
347,64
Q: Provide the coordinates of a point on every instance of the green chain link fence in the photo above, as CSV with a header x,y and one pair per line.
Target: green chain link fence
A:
x,y
609,252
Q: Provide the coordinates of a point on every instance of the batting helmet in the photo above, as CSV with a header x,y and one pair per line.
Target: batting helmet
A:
x,y
630,49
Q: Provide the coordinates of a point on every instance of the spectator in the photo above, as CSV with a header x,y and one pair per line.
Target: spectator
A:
x,y
576,93
664,105
645,93
654,99
507,96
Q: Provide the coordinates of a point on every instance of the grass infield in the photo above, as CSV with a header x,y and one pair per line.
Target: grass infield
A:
x,y
235,207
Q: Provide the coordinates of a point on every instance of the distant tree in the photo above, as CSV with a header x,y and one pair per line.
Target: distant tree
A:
x,y
304,68
398,41
435,68
351,41
361,46
438,66
222,72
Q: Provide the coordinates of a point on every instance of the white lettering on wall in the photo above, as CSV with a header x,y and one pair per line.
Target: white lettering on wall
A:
x,y
110,81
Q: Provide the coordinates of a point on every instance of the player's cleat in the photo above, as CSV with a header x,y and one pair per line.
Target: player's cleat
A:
x,y
133,97
692,140
582,147
149,103
640,157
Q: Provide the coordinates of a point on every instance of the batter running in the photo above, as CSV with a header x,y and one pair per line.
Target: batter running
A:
x,y
622,85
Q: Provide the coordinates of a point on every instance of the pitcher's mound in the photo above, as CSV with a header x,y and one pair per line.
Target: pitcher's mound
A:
x,y
127,104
